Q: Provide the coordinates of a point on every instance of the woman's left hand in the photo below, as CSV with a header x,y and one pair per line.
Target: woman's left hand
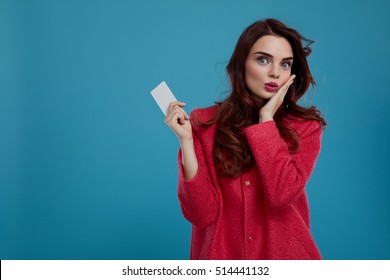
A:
x,y
268,111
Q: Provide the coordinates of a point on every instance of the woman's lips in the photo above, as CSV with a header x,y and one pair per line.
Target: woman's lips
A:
x,y
271,86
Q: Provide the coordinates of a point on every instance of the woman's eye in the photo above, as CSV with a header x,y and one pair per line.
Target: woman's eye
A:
x,y
262,60
286,65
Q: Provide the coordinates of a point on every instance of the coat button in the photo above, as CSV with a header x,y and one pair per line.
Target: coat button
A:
x,y
247,183
250,238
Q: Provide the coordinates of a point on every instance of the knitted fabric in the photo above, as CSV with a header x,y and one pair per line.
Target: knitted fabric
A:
x,y
261,214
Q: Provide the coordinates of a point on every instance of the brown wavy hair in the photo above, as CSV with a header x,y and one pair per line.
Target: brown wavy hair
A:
x,y
240,109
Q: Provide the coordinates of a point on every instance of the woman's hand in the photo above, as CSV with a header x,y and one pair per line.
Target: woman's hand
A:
x,y
179,121
268,111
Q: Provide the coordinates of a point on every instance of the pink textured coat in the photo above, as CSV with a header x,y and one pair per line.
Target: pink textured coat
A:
x,y
264,212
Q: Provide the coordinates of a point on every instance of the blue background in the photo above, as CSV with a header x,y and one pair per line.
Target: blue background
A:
x,y
88,168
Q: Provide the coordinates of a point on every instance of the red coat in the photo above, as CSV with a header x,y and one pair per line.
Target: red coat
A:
x,y
264,212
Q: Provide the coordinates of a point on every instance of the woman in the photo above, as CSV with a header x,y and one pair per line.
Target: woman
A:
x,y
244,163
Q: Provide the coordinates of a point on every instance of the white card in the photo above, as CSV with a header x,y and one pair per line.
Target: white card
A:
x,y
163,96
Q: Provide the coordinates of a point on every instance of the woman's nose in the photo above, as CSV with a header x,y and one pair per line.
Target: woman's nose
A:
x,y
273,72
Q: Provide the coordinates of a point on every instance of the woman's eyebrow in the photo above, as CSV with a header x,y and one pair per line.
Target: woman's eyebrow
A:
x,y
269,55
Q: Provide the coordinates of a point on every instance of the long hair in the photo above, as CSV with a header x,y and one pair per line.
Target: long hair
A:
x,y
240,109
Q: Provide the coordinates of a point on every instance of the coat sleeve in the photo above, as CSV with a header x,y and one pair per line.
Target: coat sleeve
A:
x,y
283,175
198,199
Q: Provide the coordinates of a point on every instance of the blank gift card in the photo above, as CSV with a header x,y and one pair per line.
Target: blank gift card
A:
x,y
163,96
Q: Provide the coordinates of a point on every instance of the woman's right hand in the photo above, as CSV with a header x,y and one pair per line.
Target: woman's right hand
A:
x,y
179,121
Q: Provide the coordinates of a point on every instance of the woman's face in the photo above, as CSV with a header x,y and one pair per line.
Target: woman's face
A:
x,y
268,65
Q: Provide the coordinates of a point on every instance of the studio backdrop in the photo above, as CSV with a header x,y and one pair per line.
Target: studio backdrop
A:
x,y
88,168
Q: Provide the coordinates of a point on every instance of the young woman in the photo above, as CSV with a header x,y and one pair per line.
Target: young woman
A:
x,y
244,163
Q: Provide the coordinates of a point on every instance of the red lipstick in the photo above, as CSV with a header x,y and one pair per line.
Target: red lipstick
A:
x,y
271,86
